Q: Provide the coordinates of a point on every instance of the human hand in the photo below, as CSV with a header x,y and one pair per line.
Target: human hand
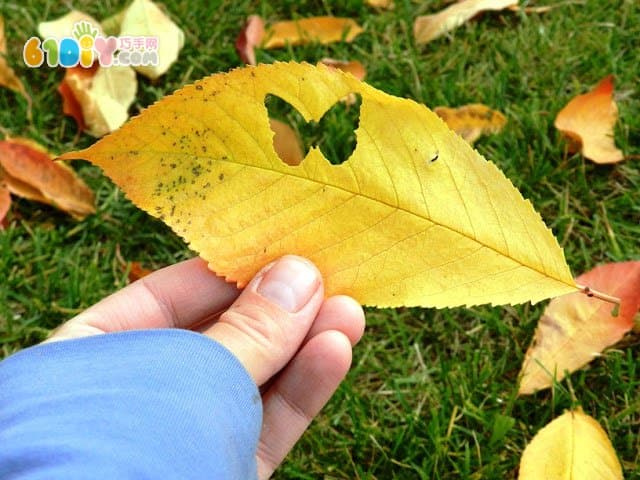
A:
x,y
294,343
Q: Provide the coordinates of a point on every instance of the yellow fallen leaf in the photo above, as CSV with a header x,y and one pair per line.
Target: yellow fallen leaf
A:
x,y
588,121
144,18
383,4
8,77
286,142
575,328
573,446
471,121
63,26
324,30
105,97
430,27
414,217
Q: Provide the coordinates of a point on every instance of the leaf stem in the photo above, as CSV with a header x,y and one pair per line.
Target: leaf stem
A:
x,y
589,292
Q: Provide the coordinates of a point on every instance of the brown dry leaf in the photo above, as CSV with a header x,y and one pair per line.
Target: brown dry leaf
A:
x,y
286,142
471,121
104,97
575,328
30,172
8,77
249,38
70,104
588,121
430,27
314,29
573,446
137,271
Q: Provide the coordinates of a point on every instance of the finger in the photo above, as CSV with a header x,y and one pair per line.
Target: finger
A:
x,y
181,295
301,390
268,322
341,313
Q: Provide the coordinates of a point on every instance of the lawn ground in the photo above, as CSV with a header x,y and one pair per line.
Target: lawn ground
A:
x,y
431,394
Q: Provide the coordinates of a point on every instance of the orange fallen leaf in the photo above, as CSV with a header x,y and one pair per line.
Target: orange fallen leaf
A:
x,y
137,271
8,77
430,27
575,328
30,172
324,30
70,104
5,200
286,142
471,121
572,446
353,67
588,121
249,38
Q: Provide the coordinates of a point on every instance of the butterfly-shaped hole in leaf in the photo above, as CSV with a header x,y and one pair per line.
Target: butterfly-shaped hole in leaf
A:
x,y
334,134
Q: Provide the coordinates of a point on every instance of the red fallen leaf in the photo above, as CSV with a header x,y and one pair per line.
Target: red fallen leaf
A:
x,y
5,202
588,121
250,37
30,172
70,104
575,328
137,271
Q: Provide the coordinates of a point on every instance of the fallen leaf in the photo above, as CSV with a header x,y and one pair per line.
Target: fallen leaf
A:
x,y
143,18
249,38
5,200
8,77
471,121
137,271
286,142
429,27
382,4
324,30
588,121
29,171
104,97
414,217
354,67
575,328
573,445
63,26
70,104
540,9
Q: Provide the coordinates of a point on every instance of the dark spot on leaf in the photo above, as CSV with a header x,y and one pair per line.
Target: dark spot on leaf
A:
x,y
198,87
221,177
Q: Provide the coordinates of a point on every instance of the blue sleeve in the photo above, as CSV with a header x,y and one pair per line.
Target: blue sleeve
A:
x,y
151,404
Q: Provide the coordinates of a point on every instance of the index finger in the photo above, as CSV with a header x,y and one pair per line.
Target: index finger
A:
x,y
179,296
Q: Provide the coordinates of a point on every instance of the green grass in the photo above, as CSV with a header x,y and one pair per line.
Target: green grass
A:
x,y
432,393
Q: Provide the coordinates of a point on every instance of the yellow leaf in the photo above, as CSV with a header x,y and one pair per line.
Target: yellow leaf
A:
x,y
315,29
471,121
414,217
144,18
573,446
430,27
105,97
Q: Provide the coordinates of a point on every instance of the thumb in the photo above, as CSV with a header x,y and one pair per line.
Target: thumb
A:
x,y
267,323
